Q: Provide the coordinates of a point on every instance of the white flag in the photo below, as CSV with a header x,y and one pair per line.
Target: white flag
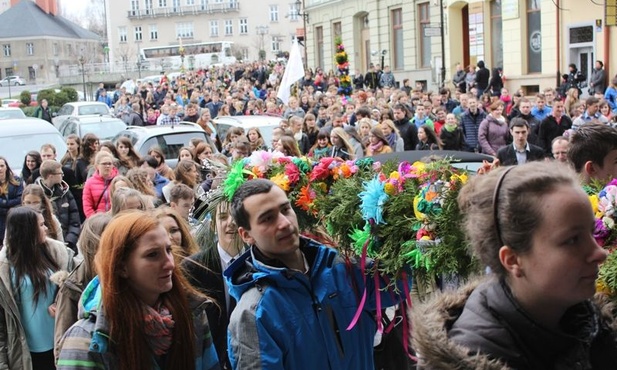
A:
x,y
293,72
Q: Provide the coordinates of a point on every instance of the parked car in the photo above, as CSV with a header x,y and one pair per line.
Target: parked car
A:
x,y
19,136
79,109
8,112
170,138
12,80
265,124
105,128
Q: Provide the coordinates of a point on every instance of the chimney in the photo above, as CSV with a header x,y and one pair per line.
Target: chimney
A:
x,y
14,2
48,6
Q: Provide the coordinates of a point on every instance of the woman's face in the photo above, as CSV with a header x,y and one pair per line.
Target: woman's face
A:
x,y
364,129
32,201
335,139
387,130
42,234
226,228
123,150
173,230
156,156
322,142
279,147
3,169
421,134
185,154
561,268
105,167
374,140
310,123
605,110
30,163
72,146
580,110
95,146
233,138
193,174
149,267
497,111
253,136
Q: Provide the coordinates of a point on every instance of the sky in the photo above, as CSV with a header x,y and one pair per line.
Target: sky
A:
x,y
74,7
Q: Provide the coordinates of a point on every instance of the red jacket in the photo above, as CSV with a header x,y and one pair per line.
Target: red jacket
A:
x,y
96,194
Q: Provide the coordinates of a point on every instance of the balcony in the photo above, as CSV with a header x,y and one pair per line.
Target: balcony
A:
x,y
170,11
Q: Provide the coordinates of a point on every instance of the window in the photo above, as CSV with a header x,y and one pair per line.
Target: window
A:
x,y
162,3
319,52
496,34
214,28
229,28
55,49
134,7
534,37
424,18
148,5
398,55
204,4
138,33
293,12
184,30
190,2
276,44
244,26
274,13
29,48
245,53
7,50
154,32
337,31
122,34
176,5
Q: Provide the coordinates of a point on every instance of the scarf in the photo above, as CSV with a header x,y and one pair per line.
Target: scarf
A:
x,y
449,128
392,140
377,148
319,153
158,327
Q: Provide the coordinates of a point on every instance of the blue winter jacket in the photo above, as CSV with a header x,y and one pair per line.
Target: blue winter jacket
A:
x,y
288,320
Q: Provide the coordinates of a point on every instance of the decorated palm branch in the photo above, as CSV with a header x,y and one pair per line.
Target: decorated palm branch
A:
x,y
604,203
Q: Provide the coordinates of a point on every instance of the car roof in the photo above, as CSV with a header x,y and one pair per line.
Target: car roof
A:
x,y
157,129
249,121
9,108
94,118
81,103
25,126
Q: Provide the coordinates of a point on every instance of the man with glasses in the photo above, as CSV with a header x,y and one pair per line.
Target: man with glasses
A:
x,y
58,193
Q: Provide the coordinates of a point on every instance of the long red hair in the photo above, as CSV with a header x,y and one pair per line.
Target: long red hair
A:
x,y
124,310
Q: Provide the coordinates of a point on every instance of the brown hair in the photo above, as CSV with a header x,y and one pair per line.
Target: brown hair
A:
x,y
124,309
53,231
189,245
518,214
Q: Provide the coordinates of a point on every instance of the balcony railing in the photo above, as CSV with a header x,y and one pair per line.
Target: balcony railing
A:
x,y
230,6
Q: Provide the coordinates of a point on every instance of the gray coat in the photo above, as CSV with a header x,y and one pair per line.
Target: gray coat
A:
x,y
598,79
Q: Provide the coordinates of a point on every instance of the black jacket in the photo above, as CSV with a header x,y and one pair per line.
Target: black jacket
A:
x,y
507,155
408,132
65,209
452,140
550,129
482,76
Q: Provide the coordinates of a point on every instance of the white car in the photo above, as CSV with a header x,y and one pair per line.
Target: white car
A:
x,y
265,124
9,112
12,80
77,109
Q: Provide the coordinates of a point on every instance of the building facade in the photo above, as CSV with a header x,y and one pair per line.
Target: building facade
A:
x,y
251,26
36,43
533,41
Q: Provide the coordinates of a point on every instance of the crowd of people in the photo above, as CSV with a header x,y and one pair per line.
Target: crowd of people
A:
x,y
109,260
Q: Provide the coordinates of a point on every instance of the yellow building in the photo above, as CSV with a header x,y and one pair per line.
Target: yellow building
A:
x,y
534,41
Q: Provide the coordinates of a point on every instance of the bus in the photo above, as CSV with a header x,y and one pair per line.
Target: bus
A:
x,y
200,55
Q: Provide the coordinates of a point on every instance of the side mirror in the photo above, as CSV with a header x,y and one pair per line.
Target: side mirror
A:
x,y
54,114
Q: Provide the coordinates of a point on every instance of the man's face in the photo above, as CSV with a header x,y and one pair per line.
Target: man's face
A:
x,y
549,96
560,150
540,104
558,109
593,108
48,154
598,66
398,114
525,108
519,134
473,105
274,226
609,167
183,207
441,115
420,111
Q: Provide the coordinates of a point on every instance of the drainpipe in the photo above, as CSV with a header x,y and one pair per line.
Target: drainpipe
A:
x,y
607,49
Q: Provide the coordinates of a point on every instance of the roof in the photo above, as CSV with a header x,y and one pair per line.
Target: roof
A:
x,y
26,19
25,126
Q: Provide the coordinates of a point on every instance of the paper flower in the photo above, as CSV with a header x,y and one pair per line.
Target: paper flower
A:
x,y
235,178
306,198
372,200
282,181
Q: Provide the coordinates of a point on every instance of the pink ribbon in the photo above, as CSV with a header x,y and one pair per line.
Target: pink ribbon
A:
x,y
356,317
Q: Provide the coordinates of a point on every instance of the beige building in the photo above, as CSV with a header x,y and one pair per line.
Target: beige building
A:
x,y
532,40
135,25
35,42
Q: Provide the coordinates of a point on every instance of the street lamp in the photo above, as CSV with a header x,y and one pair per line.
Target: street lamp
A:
x,y
262,31
139,60
182,53
82,62
443,45
305,21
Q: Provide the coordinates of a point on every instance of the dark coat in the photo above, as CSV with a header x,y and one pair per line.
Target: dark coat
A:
x,y
482,76
507,155
452,140
11,199
480,327
408,132
550,129
470,123
65,209
204,273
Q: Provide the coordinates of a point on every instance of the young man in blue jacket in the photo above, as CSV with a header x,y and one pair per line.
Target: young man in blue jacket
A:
x,y
295,297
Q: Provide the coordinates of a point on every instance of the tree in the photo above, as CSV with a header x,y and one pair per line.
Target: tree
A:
x,y
92,17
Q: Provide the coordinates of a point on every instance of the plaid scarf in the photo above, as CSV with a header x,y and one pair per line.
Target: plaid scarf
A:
x,y
158,327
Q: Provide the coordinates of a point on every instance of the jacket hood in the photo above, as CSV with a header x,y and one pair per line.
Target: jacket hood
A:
x,y
481,64
431,323
90,298
250,270
56,191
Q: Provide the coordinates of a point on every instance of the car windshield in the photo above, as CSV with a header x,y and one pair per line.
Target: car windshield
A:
x,y
104,130
266,132
85,110
14,148
11,113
